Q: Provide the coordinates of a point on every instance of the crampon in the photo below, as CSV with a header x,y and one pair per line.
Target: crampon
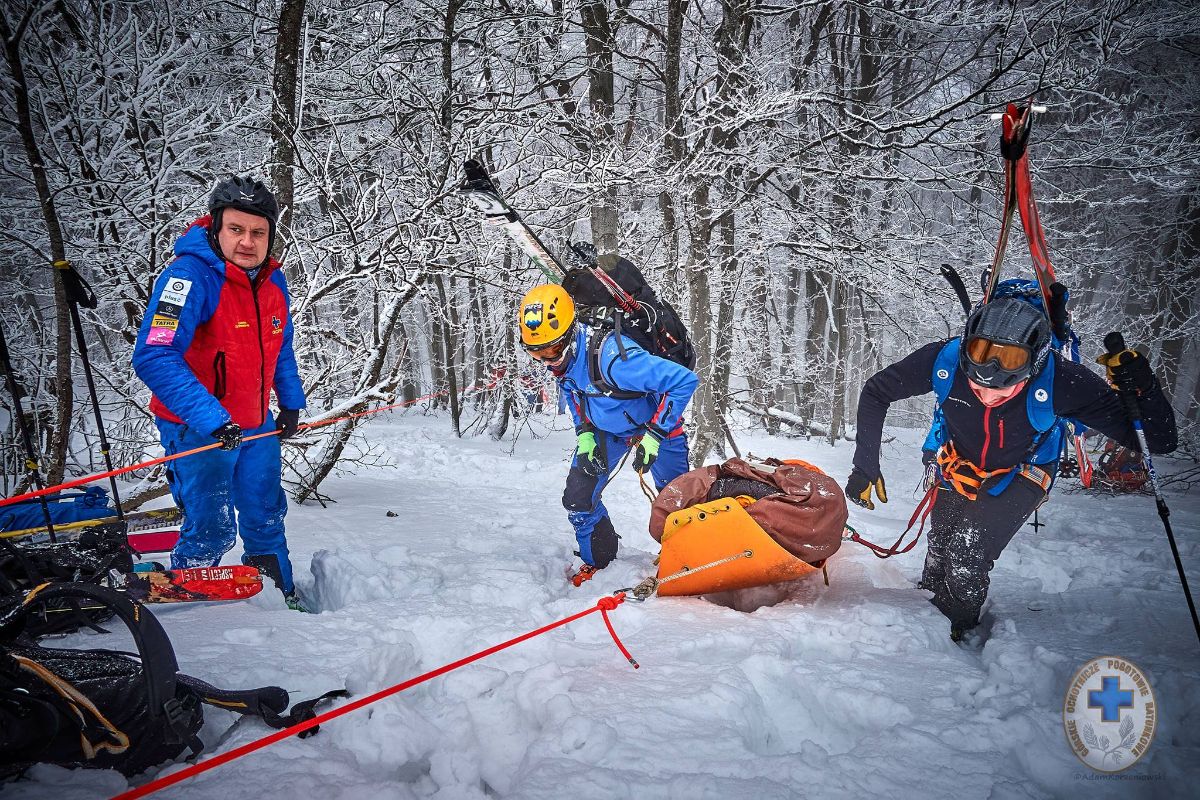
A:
x,y
584,573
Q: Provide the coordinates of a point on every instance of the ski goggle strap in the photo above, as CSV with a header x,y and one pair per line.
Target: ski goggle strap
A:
x,y
1010,356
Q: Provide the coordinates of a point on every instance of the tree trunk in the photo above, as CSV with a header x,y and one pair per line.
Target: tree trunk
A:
x,y
599,39
60,435
285,116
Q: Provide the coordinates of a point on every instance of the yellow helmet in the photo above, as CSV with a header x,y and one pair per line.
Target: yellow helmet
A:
x,y
546,317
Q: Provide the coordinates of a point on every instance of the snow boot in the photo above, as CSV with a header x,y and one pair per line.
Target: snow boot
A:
x,y
294,603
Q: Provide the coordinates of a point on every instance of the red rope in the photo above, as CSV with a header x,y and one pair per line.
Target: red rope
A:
x,y
4,501
922,512
604,605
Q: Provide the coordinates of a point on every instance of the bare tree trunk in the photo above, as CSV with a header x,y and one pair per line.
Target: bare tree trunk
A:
x,y
841,334
450,337
60,435
371,381
597,27
285,116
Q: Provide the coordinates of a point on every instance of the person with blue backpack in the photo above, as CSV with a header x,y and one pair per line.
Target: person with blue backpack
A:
x,y
621,398
1003,395
216,340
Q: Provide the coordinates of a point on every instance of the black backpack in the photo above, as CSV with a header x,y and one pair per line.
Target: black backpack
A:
x,y
655,325
107,709
81,556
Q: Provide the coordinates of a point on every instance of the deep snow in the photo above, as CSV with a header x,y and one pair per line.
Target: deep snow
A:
x,y
850,690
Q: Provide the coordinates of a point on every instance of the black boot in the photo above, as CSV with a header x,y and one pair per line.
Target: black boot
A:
x,y
269,565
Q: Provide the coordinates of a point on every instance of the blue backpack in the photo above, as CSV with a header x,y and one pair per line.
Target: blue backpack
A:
x,y
1039,404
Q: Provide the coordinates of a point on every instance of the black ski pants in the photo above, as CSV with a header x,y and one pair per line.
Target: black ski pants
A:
x,y
965,539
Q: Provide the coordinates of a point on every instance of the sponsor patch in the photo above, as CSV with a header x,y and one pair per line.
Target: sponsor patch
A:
x,y
161,336
178,287
174,298
167,310
242,324
166,323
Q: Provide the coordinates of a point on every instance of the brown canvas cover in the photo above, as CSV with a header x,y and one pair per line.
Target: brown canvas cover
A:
x,y
806,518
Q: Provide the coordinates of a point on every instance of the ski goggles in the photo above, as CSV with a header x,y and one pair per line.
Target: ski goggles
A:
x,y
1011,357
552,352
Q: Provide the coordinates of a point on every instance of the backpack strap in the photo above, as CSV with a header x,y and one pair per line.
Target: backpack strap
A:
x,y
597,374
1039,405
268,702
154,647
942,378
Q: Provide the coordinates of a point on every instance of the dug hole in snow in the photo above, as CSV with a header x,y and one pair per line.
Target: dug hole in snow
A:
x,y
796,690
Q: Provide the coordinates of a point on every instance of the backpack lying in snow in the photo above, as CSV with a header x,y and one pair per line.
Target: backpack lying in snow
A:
x,y
108,709
85,556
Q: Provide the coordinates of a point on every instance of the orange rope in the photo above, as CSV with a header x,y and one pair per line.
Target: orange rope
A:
x,y
163,459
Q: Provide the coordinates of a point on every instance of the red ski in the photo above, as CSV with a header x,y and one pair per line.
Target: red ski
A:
x,y
195,584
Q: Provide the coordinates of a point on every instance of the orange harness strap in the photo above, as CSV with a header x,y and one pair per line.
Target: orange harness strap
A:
x,y
966,478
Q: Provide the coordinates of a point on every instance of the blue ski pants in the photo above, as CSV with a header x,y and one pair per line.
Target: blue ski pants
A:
x,y
208,487
593,529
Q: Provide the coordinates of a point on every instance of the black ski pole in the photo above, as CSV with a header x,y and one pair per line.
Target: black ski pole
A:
x,y
80,294
1114,343
31,463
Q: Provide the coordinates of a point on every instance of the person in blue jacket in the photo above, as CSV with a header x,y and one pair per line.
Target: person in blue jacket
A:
x,y
215,341
621,397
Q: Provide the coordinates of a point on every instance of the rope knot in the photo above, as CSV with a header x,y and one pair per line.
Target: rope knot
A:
x,y
610,603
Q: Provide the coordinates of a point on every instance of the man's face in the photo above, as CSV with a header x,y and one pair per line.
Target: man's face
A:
x,y
994,397
244,238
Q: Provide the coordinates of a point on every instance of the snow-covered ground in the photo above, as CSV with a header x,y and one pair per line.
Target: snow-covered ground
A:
x,y
850,690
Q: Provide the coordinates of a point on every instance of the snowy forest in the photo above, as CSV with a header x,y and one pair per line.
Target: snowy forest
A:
x,y
790,176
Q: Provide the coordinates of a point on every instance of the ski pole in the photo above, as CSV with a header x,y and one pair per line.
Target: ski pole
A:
x,y
79,293
956,283
31,463
1114,343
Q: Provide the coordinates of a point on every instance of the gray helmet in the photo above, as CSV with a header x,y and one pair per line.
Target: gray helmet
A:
x,y
1004,321
245,194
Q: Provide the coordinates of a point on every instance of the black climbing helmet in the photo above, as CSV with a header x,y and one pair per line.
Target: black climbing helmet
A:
x,y
1005,342
245,194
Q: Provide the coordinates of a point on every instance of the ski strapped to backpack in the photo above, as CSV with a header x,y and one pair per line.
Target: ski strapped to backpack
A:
x,y
107,709
652,323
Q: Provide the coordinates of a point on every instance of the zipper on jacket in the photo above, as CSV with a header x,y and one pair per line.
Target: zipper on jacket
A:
x,y
1001,433
262,353
220,380
987,436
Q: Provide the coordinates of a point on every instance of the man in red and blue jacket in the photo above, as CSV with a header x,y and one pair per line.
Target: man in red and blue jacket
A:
x,y
216,339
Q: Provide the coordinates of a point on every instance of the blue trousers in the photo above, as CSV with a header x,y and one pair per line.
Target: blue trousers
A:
x,y
593,529
208,487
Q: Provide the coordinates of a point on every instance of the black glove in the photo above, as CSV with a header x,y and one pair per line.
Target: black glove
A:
x,y
1130,371
286,421
859,486
1060,320
646,452
229,435
589,455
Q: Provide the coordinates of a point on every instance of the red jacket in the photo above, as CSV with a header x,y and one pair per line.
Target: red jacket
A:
x,y
213,345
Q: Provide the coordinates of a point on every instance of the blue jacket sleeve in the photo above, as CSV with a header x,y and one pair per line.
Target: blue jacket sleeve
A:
x,y
288,388
639,371
166,333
